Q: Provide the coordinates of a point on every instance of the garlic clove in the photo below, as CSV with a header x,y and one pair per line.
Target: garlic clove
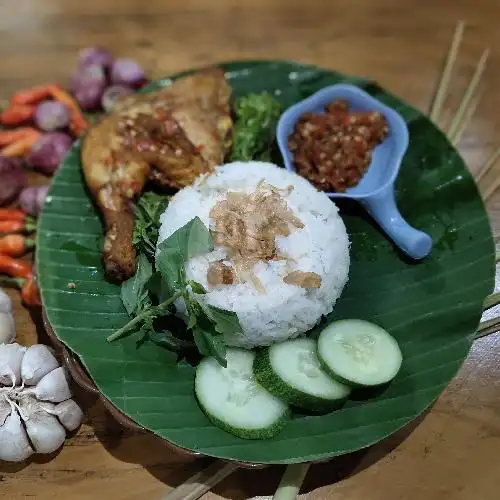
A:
x,y
5,303
37,362
68,412
7,328
14,444
11,356
44,430
52,387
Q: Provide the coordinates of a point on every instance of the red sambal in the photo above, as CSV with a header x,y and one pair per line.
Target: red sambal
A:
x,y
333,150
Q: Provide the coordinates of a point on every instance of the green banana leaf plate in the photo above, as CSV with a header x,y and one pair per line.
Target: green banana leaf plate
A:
x,y
432,307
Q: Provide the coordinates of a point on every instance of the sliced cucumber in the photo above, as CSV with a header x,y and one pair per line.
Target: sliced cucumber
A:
x,y
359,353
233,401
292,372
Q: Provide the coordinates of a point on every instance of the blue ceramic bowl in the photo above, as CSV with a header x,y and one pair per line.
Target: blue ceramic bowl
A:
x,y
376,189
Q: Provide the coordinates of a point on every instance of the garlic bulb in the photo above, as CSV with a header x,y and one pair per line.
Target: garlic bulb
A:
x,y
44,430
10,363
53,387
68,413
37,362
5,302
14,445
7,325
30,422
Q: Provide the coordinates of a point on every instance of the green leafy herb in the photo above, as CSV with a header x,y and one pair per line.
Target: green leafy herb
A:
x,y
151,294
170,263
197,287
210,345
168,340
145,316
224,321
190,240
157,286
147,222
134,293
256,119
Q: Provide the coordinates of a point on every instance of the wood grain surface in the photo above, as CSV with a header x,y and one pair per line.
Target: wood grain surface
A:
x,y
451,452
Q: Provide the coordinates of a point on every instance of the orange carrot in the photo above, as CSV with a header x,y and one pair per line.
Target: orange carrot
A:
x,y
15,245
14,267
15,115
31,96
78,123
17,226
22,146
9,136
12,214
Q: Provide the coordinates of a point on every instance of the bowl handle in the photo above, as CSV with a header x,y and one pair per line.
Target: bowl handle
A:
x,y
382,207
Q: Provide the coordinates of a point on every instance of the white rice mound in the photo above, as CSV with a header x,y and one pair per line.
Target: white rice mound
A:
x,y
322,246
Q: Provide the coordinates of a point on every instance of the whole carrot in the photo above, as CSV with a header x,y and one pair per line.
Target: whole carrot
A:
x,y
78,123
12,214
17,226
22,146
15,268
10,136
15,115
15,245
32,95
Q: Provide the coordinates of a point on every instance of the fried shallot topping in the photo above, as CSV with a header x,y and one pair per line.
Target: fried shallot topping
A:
x,y
220,274
302,279
247,226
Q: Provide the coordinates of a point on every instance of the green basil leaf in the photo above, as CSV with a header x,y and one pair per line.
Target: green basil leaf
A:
x,y
133,291
170,264
169,341
200,340
224,321
190,240
210,345
197,287
158,287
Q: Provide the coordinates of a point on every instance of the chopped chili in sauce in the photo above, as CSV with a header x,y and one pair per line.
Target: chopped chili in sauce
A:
x,y
333,150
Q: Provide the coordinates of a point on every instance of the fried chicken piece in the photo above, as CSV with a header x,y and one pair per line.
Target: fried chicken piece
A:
x,y
170,137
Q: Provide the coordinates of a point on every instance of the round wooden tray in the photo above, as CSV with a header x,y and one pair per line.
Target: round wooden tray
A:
x,y
81,377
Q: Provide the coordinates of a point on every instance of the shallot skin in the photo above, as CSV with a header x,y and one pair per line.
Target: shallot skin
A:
x,y
32,199
13,179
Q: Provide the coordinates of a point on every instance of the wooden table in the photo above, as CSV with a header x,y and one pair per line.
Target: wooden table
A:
x,y
452,451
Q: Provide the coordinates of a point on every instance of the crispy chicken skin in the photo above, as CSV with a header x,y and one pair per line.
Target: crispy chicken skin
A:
x,y
169,137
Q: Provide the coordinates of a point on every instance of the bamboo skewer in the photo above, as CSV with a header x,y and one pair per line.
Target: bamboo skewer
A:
x,y
439,98
455,140
491,189
469,94
490,162
197,485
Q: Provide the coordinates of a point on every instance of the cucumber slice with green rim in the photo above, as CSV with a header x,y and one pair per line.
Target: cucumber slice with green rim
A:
x,y
231,398
292,372
359,353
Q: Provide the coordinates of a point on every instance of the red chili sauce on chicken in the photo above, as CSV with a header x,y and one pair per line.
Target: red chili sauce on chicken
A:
x,y
333,150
